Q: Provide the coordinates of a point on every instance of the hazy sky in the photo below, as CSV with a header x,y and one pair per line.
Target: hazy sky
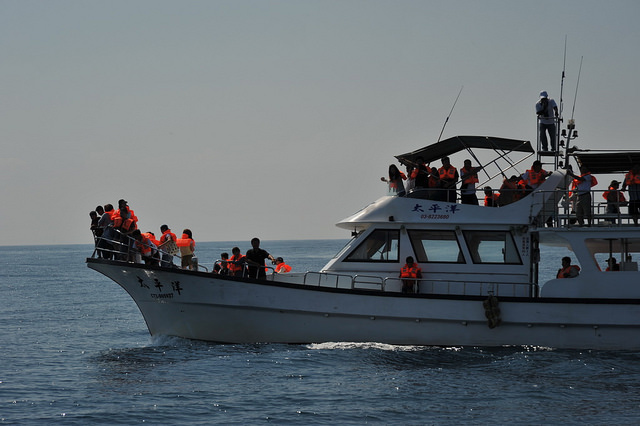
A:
x,y
277,118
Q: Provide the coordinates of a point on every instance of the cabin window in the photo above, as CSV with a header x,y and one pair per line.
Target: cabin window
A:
x,y
436,246
492,247
623,252
380,246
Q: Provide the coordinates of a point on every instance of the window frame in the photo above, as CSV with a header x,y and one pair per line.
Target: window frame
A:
x,y
356,249
415,238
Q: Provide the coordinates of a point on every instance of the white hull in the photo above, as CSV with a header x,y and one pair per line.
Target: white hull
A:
x,y
203,306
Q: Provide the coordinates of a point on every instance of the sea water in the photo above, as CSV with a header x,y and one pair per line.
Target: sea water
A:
x,y
74,349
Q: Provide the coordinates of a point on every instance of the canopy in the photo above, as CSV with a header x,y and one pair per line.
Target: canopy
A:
x,y
608,162
460,143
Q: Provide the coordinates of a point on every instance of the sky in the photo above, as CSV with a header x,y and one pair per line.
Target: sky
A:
x,y
277,119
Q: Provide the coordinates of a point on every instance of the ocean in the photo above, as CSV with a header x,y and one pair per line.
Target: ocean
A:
x,y
74,349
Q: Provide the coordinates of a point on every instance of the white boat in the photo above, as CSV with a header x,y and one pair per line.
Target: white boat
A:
x,y
481,284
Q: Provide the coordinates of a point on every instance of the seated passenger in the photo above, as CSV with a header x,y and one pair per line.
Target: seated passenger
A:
x,y
490,198
222,267
568,270
613,264
236,263
281,267
411,272
510,191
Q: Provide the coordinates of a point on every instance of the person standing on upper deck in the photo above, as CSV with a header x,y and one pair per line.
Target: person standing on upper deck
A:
x,y
632,181
448,178
396,180
547,111
582,187
420,174
469,177
615,198
535,176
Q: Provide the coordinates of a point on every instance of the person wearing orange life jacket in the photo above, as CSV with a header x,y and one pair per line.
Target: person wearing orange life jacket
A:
x,y
222,267
582,187
167,245
152,237
395,180
615,199
448,178
632,181
187,248
420,174
154,243
490,198
469,177
568,270
236,263
509,191
143,245
535,176
436,192
410,273
124,218
281,267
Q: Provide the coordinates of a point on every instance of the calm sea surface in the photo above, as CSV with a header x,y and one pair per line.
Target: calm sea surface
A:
x,y
74,349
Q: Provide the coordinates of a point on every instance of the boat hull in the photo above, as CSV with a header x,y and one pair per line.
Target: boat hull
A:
x,y
203,306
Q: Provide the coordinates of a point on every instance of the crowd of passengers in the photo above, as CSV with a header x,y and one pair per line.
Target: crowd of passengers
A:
x,y
440,184
117,237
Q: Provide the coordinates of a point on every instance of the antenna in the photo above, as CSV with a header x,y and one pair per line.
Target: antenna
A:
x,y
577,83
447,120
564,65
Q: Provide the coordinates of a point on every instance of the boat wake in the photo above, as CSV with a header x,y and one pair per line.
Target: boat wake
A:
x,y
374,345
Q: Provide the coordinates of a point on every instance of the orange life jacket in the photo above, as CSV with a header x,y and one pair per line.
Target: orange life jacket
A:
x,y
618,197
576,182
236,267
410,271
186,245
283,268
447,174
469,176
144,245
565,271
632,179
165,236
151,238
395,184
536,178
493,197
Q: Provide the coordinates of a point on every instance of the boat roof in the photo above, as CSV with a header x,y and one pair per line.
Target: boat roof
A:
x,y
460,143
608,162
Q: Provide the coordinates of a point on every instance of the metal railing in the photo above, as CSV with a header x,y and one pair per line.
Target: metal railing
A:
x,y
559,208
421,285
122,247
